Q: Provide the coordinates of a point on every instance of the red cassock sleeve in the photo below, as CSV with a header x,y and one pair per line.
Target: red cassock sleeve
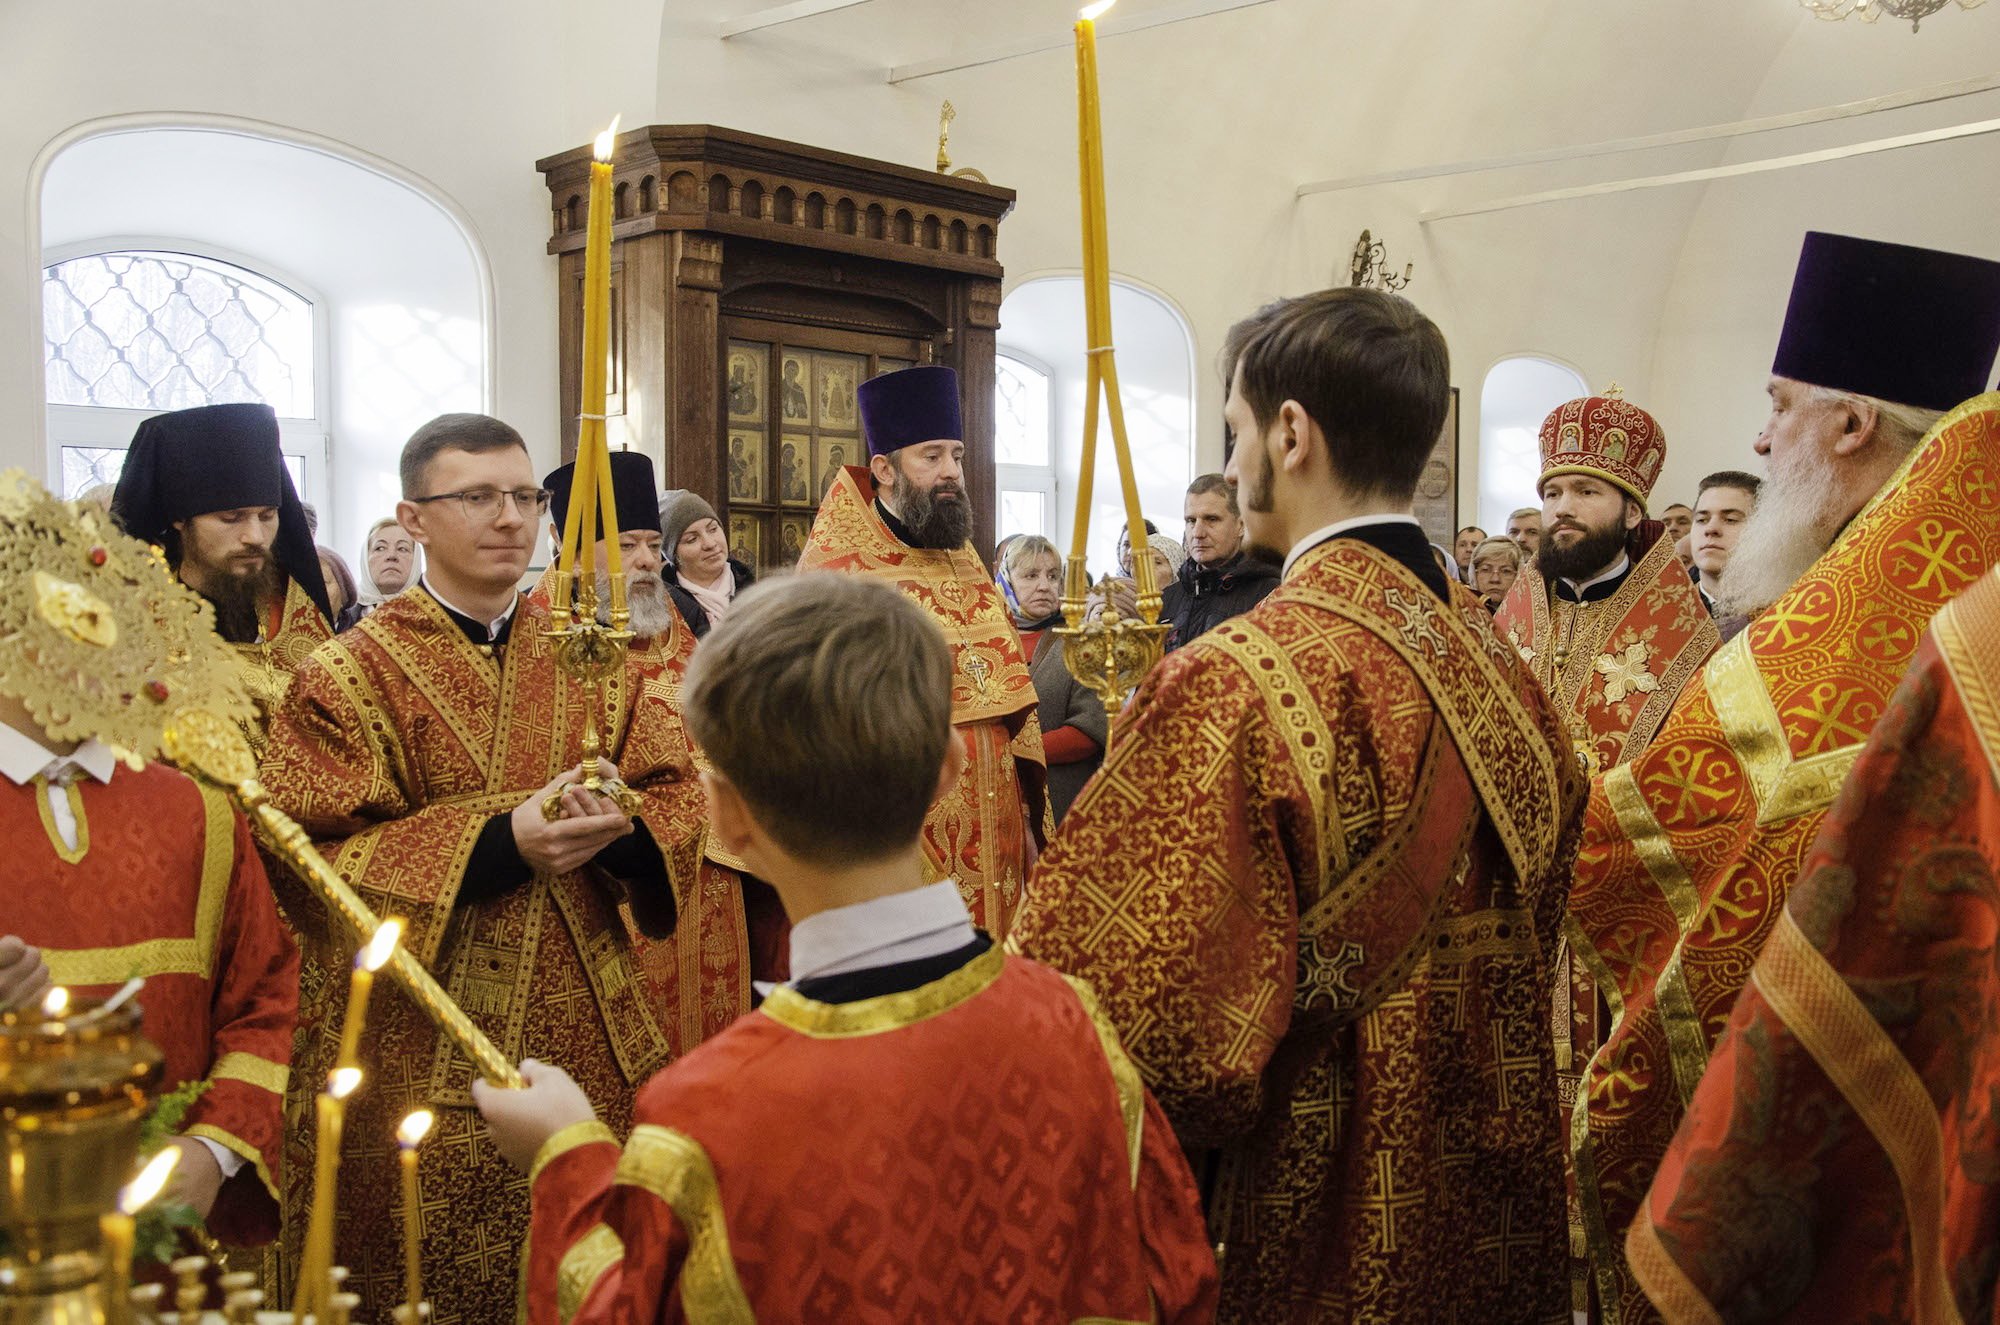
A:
x,y
254,1006
1180,1266
600,1250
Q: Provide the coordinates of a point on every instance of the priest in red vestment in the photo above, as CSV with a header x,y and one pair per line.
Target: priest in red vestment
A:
x,y
1876,512
115,872
1838,1161
209,486
1317,882
1613,629
418,749
906,520
916,1128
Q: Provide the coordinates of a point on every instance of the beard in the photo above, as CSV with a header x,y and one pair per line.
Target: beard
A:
x,y
652,611
1786,533
1255,496
1583,559
938,517
238,599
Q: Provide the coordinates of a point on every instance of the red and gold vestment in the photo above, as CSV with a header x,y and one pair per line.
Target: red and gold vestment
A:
x,y
292,629
399,741
976,1149
1613,668
1317,886
1839,1160
165,883
1691,849
985,831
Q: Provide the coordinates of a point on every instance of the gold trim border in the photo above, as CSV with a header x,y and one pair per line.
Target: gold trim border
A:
x,y
889,1012
574,1137
1124,1076
1666,1285
586,1262
672,1166
251,1070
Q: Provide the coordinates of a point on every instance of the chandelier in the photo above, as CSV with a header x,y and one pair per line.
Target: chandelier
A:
x,y
1916,11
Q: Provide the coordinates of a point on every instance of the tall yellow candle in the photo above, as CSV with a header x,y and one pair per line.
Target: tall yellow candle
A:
x,y
374,955
116,1230
1086,147
314,1284
579,528
415,1127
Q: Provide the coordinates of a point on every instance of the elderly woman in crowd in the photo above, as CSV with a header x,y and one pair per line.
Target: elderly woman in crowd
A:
x,y
391,562
702,578
1073,723
1495,563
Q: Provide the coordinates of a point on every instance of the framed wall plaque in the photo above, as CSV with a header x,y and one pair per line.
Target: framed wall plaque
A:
x,y
1436,505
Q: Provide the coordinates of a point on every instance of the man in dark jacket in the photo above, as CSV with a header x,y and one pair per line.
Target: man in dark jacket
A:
x,y
1219,580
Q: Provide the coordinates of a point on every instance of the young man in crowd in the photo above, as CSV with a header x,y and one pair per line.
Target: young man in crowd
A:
x,y
1721,509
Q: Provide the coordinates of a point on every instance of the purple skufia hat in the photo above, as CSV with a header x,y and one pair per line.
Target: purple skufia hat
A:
x,y
914,405
1913,326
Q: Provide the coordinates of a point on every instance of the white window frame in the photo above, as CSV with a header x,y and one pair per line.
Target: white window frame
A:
x,y
111,428
1033,478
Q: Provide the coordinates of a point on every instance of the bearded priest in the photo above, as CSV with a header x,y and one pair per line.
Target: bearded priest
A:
x,y
906,520
1318,880
419,749
1613,629
209,487
730,904
1880,507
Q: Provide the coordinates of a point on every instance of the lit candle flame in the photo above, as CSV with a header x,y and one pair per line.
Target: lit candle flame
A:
x,y
132,1198
342,1082
1090,13
415,1127
55,1002
601,149
377,951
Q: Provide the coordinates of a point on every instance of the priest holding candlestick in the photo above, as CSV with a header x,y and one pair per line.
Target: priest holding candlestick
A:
x,y
439,754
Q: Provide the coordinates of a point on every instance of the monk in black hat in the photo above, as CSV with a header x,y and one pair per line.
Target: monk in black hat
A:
x,y
637,498
907,519
210,487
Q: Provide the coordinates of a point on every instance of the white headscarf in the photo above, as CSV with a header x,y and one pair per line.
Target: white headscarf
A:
x,y
370,595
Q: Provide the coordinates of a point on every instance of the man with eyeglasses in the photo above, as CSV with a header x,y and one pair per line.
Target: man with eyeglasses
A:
x,y
209,487
419,749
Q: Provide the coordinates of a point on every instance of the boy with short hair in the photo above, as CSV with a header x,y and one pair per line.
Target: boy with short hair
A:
x,y
917,1127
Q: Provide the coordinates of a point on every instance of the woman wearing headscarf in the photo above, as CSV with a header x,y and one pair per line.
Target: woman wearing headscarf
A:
x,y
702,578
391,562
1074,727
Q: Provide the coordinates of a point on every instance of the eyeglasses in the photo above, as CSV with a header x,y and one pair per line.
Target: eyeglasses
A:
x,y
484,503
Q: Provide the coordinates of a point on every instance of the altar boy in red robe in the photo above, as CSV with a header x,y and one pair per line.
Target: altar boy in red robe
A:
x,y
113,873
917,1126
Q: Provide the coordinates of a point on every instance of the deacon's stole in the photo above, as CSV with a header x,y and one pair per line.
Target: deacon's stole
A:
x,y
980,833
1613,669
164,883
1020,1174
1840,1160
292,628
399,740
1690,850
1317,885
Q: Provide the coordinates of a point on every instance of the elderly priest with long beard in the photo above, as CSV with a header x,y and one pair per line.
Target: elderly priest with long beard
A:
x,y
419,749
906,519
1318,881
209,487
698,973
1877,512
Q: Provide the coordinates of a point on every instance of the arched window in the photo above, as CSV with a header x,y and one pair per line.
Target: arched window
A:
x,y
1023,447
136,332
1517,395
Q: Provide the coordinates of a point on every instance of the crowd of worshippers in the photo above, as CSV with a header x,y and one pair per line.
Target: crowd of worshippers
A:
x,y
1478,932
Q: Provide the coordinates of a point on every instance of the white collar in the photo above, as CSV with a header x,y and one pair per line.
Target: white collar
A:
x,y
492,627
1618,567
902,927
22,758
1324,532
